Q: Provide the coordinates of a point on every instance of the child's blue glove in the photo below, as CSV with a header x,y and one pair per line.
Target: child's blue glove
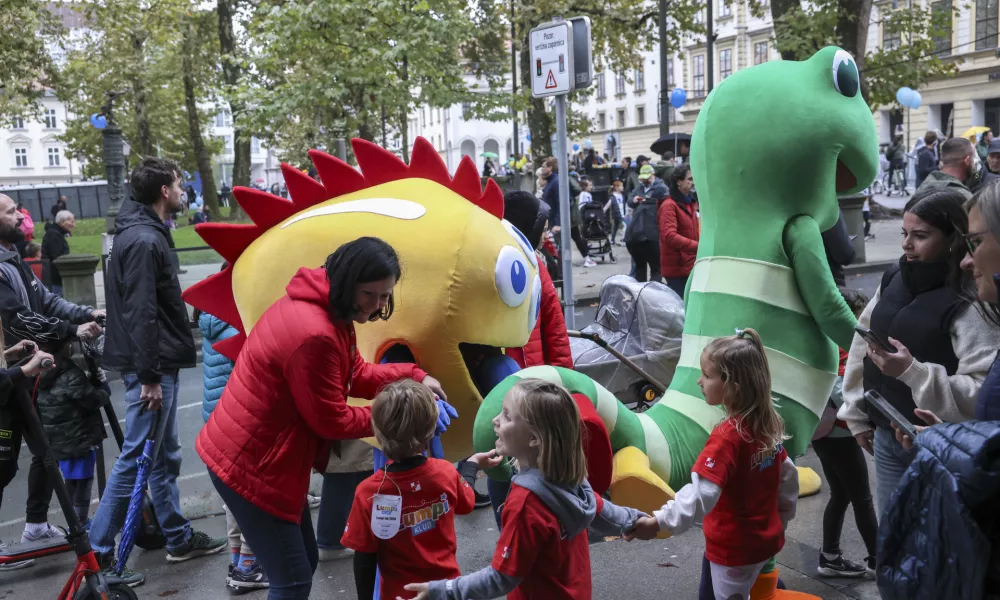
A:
x,y
446,413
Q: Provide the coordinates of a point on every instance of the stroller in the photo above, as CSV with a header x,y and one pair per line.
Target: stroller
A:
x,y
633,346
596,229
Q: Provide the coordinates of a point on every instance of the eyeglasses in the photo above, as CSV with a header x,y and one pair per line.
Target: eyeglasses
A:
x,y
973,241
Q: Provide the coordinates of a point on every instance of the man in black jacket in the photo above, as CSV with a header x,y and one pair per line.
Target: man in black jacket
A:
x,y
148,341
31,312
54,245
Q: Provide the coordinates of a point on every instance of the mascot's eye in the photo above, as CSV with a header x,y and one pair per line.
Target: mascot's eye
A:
x,y
536,303
512,276
845,74
523,242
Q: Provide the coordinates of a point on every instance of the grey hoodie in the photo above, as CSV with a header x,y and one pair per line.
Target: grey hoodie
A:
x,y
576,510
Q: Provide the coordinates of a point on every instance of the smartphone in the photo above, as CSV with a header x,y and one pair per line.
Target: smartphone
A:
x,y
869,336
879,402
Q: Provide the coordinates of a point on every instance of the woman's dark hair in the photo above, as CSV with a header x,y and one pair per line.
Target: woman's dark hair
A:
x,y
942,208
364,260
678,175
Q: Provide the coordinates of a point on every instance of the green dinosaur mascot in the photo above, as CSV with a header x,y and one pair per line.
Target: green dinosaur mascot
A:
x,y
773,147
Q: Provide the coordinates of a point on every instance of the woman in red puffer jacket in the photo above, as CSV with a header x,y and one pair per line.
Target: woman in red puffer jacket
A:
x,y
288,394
677,216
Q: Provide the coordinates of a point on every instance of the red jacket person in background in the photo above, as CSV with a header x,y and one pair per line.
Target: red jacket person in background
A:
x,y
288,393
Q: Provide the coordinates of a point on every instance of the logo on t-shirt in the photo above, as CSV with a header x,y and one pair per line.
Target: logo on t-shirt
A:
x,y
710,462
425,519
414,486
763,459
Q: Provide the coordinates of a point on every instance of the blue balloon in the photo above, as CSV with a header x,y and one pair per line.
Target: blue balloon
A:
x,y
576,147
904,95
98,120
527,136
678,97
588,144
915,99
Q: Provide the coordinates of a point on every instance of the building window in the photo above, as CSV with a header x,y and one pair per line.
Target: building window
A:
x,y
760,52
640,80
50,119
724,9
20,157
18,123
941,13
986,24
725,63
621,118
601,92
439,116
254,145
699,17
223,118
670,73
602,121
423,118
53,157
640,115
466,110
892,39
698,75
229,144
620,84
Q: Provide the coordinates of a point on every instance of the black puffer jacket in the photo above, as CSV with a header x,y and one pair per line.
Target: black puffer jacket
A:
x,y
935,541
69,408
149,332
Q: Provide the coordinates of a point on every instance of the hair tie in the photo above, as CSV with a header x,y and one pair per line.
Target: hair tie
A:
x,y
740,332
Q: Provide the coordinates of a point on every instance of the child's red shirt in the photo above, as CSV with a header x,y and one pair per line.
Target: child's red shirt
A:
x,y
744,528
424,548
532,547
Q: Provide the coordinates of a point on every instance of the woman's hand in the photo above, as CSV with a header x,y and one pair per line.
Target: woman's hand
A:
x,y
22,348
646,528
422,589
486,460
435,386
892,364
926,416
866,439
34,366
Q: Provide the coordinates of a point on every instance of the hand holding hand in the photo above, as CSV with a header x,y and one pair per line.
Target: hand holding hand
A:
x,y
486,460
446,413
34,366
99,314
435,386
892,364
152,394
646,528
866,439
422,590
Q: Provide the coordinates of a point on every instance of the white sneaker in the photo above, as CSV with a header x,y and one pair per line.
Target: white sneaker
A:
x,y
13,566
589,263
48,532
326,554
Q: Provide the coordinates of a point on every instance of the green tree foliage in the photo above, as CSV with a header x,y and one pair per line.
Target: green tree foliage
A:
x,y
26,69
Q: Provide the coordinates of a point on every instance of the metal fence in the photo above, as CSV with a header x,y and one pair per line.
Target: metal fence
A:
x,y
85,200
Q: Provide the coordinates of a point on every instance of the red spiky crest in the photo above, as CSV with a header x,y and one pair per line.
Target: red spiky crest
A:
x,y
215,294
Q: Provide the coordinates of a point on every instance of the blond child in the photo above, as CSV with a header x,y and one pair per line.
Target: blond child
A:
x,y
743,484
403,517
543,551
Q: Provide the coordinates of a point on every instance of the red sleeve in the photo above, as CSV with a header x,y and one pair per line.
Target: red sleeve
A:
x,y
358,534
313,372
667,219
522,538
718,460
555,340
466,495
368,379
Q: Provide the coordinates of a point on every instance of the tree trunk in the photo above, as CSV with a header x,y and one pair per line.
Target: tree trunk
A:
x,y
404,120
852,29
208,190
540,122
231,75
780,8
139,97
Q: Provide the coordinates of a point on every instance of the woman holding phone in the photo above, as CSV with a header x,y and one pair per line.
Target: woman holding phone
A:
x,y
925,309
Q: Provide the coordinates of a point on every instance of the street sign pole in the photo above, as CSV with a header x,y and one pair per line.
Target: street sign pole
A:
x,y
565,223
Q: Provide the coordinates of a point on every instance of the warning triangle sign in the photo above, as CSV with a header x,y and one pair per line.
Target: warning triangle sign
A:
x,y
550,81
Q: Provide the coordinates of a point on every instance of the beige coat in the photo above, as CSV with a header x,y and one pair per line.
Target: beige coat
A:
x,y
350,456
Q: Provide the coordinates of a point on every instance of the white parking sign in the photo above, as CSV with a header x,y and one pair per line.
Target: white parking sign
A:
x,y
551,59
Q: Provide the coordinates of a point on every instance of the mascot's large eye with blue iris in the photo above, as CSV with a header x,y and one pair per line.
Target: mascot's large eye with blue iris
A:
x,y
513,278
845,74
522,241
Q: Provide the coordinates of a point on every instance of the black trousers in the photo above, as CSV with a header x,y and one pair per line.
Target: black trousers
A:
x,y
847,473
39,485
646,255
581,244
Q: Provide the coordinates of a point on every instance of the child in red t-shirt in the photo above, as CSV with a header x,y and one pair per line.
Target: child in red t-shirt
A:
x,y
743,484
403,517
543,551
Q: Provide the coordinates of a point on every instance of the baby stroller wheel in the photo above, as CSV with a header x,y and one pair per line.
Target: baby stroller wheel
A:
x,y
120,591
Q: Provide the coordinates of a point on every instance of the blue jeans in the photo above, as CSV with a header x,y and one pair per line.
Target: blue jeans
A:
x,y
891,461
286,550
677,284
335,507
166,467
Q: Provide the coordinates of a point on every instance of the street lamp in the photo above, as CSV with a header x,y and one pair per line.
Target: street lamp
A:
x,y
114,162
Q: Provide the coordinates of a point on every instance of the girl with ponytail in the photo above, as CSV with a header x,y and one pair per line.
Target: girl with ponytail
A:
x,y
743,484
